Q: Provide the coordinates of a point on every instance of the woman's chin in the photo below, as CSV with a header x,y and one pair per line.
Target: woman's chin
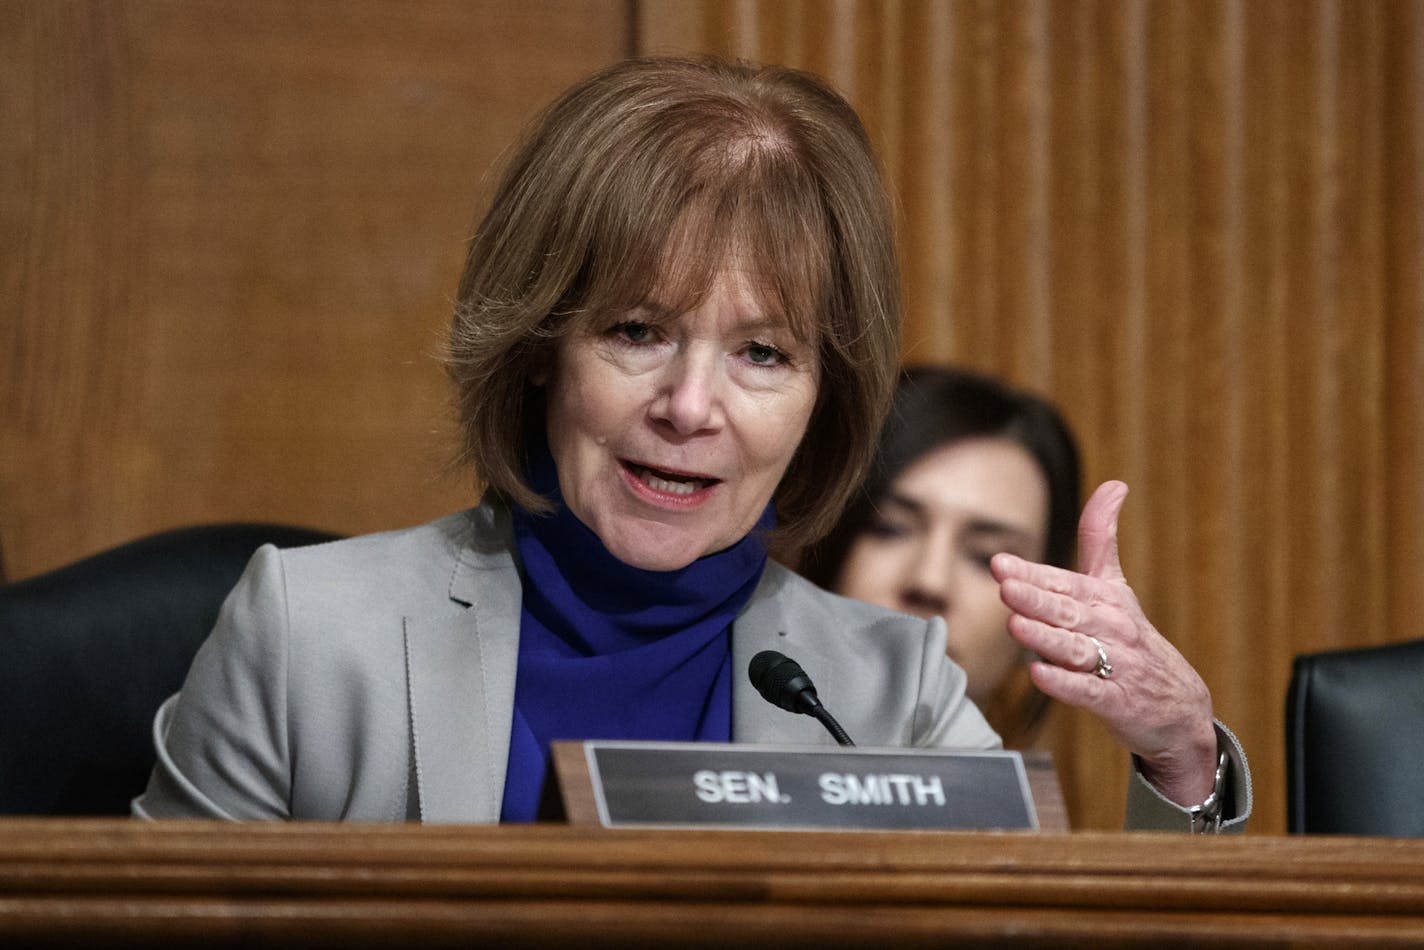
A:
x,y
654,553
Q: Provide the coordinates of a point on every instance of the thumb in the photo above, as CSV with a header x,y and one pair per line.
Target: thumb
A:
x,y
1097,532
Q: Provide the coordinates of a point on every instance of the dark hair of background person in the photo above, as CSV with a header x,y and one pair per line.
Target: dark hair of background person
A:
x,y
936,406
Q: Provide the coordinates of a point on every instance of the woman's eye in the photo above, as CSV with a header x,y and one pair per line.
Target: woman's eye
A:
x,y
885,529
981,554
764,354
634,332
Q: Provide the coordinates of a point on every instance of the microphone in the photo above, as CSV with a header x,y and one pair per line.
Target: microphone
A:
x,y
782,682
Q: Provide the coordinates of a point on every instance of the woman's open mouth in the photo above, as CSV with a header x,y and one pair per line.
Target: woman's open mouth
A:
x,y
671,483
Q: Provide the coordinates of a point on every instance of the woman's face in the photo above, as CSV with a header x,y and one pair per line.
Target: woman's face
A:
x,y
671,435
927,550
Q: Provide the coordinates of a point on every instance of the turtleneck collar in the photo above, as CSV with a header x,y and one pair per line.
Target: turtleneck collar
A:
x,y
598,604
612,651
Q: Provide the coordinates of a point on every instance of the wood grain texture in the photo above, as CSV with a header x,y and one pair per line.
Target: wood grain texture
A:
x,y
1198,226
86,883
232,234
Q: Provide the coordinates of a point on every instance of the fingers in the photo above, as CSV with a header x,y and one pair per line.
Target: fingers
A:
x,y
1010,567
1153,703
1048,601
1069,686
1074,652
1097,532
1069,609
1063,615
1063,599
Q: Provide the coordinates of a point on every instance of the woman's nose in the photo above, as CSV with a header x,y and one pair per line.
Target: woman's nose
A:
x,y
690,400
929,584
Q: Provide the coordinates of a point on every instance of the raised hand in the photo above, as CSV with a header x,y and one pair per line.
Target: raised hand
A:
x,y
1096,649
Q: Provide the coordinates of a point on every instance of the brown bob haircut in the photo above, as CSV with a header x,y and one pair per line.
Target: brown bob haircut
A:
x,y
641,183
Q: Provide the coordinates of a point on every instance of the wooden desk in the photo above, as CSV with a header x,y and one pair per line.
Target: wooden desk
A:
x,y
111,882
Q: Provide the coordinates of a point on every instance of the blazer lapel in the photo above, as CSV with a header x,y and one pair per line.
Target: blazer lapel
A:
x,y
461,671
765,625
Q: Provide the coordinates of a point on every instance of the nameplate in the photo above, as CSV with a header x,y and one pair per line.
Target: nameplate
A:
x,y
668,784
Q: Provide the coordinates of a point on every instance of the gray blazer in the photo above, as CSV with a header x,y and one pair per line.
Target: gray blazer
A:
x,y
373,679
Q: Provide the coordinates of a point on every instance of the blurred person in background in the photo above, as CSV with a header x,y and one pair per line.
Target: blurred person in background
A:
x,y
967,467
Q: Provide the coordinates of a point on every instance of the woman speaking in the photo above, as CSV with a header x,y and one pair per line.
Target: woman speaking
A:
x,y
675,340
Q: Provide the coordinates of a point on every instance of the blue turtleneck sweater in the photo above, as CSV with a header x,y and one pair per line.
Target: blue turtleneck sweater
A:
x,y
610,651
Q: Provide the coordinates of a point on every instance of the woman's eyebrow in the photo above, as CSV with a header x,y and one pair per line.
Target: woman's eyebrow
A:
x,y
978,524
761,324
651,311
910,505
996,527
750,326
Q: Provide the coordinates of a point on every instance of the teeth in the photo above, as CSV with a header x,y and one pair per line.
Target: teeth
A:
x,y
672,488
667,485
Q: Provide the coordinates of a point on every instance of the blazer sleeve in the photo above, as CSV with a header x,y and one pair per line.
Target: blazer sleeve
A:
x,y
1149,810
222,741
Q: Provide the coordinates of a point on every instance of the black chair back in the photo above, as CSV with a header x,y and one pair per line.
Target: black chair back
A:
x,y
1355,742
88,652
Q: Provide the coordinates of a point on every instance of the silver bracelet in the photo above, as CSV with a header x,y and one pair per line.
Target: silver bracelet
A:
x,y
1206,817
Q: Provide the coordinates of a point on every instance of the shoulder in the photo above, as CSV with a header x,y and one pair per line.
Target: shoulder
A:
x,y
886,671
832,611
789,610
443,537
408,571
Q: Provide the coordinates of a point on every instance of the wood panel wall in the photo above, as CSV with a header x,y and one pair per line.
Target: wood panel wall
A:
x,y
1199,226
231,237
229,234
